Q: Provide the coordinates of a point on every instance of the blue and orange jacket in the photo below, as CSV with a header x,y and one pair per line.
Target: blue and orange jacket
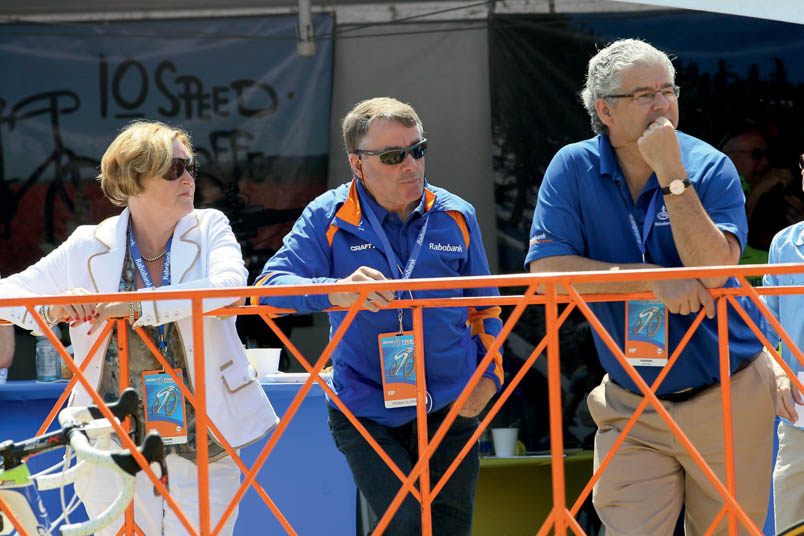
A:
x,y
332,239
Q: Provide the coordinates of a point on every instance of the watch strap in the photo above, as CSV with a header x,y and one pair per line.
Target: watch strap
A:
x,y
685,182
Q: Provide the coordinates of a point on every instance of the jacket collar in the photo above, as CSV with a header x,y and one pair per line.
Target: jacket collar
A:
x,y
350,214
106,262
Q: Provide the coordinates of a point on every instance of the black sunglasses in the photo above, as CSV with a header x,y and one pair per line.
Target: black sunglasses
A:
x,y
178,167
392,157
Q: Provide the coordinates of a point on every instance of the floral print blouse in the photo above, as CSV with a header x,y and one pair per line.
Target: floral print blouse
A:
x,y
141,359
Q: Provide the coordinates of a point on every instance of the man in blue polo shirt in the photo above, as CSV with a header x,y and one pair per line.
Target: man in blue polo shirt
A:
x,y
642,195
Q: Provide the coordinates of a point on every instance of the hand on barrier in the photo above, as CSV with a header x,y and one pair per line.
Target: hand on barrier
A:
x,y
75,313
374,300
684,296
105,311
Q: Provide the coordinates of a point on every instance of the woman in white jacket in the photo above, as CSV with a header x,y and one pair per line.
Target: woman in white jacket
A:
x,y
158,241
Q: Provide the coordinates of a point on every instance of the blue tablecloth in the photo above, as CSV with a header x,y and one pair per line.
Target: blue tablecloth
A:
x,y
305,475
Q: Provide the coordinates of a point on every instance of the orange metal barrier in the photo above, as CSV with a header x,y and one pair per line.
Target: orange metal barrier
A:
x,y
555,288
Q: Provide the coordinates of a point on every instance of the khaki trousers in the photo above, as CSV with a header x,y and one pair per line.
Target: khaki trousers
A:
x,y
651,475
788,477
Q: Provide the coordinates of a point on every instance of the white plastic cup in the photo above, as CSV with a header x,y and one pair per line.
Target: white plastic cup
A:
x,y
504,441
264,360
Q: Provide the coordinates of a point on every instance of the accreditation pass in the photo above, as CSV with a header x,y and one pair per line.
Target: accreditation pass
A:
x,y
646,333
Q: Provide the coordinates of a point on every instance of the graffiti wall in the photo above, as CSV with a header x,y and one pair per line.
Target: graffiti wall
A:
x,y
258,115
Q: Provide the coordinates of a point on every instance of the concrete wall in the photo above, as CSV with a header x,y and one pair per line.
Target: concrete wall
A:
x,y
441,69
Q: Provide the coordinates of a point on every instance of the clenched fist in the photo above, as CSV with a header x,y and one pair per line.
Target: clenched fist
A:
x,y
660,149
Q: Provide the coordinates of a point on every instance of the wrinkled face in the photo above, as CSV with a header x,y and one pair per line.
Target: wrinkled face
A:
x,y
397,188
626,118
170,199
748,152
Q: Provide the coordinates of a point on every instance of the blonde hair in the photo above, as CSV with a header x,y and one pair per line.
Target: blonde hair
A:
x,y
142,149
358,120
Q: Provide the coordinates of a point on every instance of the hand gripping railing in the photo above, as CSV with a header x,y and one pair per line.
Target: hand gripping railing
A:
x,y
553,289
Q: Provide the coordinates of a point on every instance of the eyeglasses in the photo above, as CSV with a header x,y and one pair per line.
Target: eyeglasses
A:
x,y
392,157
648,96
178,166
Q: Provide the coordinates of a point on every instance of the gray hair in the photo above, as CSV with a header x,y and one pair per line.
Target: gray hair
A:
x,y
603,75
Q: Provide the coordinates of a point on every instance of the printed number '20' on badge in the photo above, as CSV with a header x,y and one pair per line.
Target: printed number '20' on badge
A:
x,y
646,333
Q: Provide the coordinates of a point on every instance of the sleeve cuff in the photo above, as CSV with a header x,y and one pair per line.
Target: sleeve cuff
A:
x,y
489,373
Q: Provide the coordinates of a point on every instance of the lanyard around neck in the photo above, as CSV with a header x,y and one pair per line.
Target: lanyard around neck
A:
x,y
146,277
390,255
650,216
396,267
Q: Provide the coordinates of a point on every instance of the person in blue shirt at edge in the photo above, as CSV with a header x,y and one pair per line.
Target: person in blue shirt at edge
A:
x,y
788,475
642,195
386,221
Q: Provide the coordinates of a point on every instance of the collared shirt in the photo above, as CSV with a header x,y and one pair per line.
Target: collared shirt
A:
x,y
787,246
394,227
583,209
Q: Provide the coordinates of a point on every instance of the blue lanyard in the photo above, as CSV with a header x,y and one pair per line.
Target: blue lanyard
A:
x,y
390,255
650,216
146,277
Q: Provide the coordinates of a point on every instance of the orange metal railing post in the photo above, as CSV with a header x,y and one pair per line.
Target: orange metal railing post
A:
x,y
201,417
556,420
421,422
125,382
725,390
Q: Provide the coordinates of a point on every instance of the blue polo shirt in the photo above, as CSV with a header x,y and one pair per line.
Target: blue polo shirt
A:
x,y
583,209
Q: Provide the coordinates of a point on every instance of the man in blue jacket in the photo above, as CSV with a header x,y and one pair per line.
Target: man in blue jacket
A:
x,y
642,195
389,223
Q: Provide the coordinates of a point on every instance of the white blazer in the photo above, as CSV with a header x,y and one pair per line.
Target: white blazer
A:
x,y
204,254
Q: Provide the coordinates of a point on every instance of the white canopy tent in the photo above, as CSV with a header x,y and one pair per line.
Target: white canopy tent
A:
x,y
781,10
348,11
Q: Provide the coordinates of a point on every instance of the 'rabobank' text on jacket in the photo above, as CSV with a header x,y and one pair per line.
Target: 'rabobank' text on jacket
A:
x,y
333,238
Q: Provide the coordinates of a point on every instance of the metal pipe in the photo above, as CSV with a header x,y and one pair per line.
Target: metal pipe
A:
x,y
305,32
